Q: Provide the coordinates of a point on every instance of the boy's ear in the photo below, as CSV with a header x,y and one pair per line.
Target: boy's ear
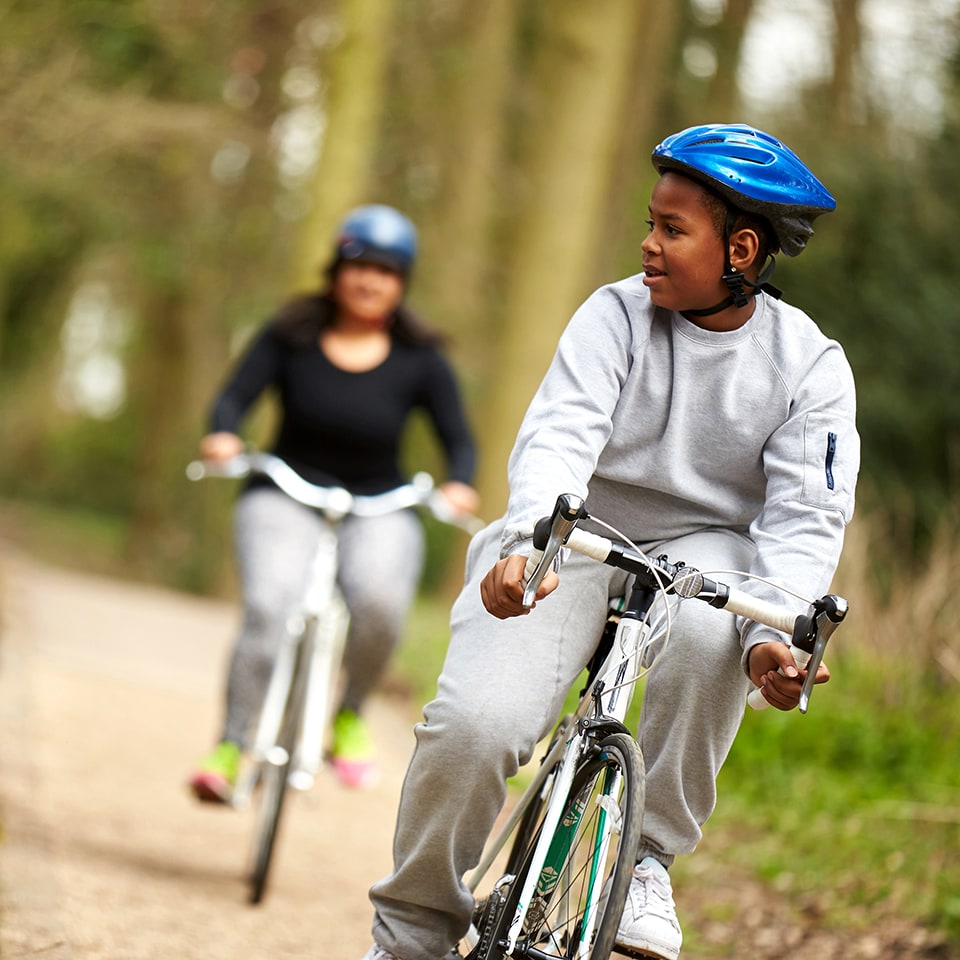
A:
x,y
744,248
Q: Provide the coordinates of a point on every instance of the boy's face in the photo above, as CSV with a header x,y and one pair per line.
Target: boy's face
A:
x,y
683,257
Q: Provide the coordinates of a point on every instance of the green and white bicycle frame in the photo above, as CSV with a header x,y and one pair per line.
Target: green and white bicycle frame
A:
x,y
602,709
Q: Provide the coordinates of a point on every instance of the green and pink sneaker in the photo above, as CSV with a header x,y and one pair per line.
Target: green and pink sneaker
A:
x,y
353,755
214,780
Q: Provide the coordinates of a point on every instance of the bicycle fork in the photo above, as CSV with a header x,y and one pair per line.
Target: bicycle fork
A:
x,y
553,845
329,632
265,748
545,844
309,656
552,873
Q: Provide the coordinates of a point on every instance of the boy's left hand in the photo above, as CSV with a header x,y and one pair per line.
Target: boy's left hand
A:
x,y
780,690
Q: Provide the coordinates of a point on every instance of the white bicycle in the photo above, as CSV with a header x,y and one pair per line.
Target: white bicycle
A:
x,y
287,749
573,835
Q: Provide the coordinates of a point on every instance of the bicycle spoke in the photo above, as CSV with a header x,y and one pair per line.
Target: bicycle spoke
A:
x,y
584,877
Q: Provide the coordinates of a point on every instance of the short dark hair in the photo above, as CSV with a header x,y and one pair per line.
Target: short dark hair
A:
x,y
719,209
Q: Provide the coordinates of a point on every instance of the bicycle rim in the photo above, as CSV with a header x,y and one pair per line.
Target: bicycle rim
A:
x,y
584,881
273,785
273,788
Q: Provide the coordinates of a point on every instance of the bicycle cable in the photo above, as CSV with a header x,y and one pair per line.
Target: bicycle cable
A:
x,y
654,625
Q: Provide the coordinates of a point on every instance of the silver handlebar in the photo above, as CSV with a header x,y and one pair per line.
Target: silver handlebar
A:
x,y
336,502
810,632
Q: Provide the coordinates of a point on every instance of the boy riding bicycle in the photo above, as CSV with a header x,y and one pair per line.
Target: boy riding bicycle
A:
x,y
706,419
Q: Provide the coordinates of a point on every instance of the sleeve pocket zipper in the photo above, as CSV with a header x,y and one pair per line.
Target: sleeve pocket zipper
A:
x,y
831,452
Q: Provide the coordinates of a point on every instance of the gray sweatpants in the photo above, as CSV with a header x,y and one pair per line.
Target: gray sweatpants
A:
x,y
500,690
380,560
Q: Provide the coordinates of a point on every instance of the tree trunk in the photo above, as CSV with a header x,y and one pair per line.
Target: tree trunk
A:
x,y
846,62
656,51
458,237
356,81
724,99
582,79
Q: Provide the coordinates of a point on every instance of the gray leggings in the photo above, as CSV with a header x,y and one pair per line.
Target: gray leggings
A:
x,y
380,560
501,688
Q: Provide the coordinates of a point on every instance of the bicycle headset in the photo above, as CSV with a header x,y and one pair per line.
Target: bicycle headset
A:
x,y
378,234
754,172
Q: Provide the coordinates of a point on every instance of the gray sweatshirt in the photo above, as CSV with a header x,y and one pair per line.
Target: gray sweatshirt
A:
x,y
668,428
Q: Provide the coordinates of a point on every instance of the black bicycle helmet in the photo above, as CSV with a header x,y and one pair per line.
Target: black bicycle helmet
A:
x,y
755,172
378,234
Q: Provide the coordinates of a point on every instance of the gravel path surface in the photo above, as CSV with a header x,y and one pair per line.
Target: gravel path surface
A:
x,y
108,694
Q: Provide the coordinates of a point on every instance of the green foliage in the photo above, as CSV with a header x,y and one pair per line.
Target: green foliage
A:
x,y
101,451
129,44
851,812
74,538
121,42
35,266
420,656
115,108
860,797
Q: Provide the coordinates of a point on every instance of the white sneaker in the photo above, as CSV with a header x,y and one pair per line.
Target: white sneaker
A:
x,y
376,952
649,921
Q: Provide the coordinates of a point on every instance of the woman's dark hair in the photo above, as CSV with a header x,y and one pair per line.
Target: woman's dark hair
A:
x,y
300,321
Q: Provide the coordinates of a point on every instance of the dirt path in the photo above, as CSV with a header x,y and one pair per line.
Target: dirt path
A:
x,y
108,693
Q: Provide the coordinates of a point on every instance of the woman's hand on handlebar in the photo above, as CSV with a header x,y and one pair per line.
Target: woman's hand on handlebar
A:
x,y
221,446
502,588
463,499
780,689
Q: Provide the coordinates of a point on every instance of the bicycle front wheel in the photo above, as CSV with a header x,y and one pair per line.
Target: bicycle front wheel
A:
x,y
583,882
274,773
273,788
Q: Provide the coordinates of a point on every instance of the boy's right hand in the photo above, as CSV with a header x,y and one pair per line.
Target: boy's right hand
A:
x,y
221,446
502,588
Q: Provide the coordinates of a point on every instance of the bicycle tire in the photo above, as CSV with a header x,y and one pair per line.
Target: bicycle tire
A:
x,y
556,918
273,782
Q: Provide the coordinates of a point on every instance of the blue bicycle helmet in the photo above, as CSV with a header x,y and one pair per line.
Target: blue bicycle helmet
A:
x,y
378,234
753,171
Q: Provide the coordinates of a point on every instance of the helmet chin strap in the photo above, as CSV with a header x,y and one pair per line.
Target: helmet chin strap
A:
x,y
736,281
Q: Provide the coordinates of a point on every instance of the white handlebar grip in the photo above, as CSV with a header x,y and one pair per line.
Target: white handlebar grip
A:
x,y
756,698
532,562
773,615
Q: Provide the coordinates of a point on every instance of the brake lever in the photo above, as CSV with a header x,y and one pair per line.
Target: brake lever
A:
x,y
828,614
549,536
811,631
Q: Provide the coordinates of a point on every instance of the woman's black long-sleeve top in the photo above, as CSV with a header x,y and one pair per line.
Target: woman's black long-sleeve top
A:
x,y
344,428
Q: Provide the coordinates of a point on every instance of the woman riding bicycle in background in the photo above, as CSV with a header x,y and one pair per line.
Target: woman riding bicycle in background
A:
x,y
349,364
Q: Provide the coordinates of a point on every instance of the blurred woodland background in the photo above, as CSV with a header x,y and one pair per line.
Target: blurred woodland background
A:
x,y
172,170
